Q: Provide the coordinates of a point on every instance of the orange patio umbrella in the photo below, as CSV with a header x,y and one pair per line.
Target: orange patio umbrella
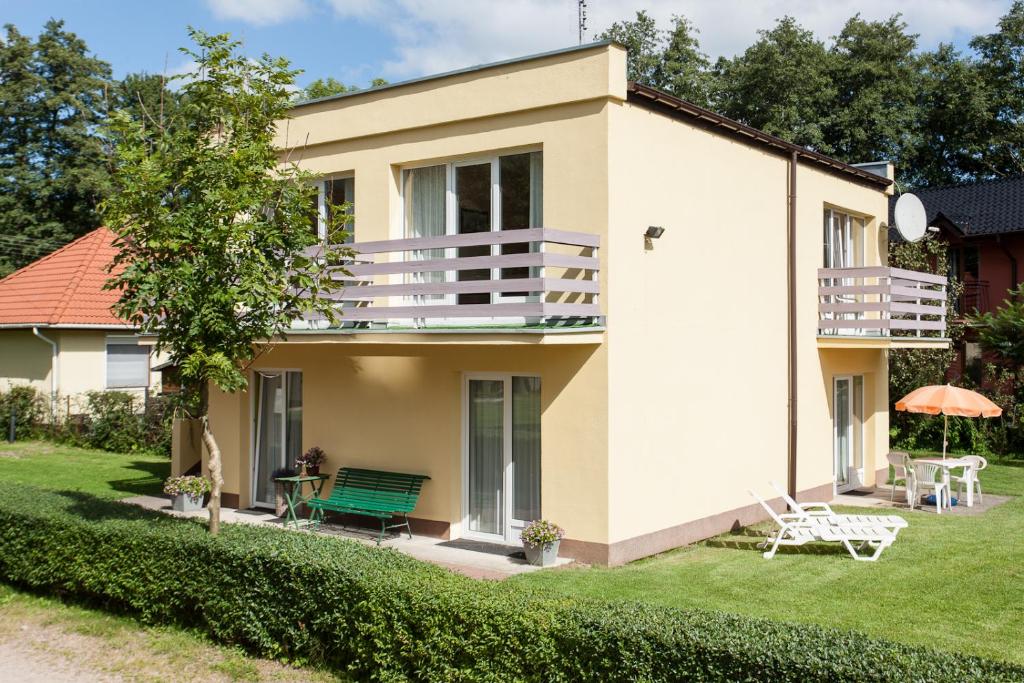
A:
x,y
948,400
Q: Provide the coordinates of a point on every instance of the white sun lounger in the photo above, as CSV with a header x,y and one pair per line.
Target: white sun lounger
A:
x,y
795,529
891,522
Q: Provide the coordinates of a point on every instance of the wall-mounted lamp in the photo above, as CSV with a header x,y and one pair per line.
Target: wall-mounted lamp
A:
x,y
653,233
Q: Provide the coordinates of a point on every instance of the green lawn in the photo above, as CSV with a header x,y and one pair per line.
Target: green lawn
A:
x,y
954,583
65,468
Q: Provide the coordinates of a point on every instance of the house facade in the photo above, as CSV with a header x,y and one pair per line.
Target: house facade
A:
x,y
572,301
58,333
982,225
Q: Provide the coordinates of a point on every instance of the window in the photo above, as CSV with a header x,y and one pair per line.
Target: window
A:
x,y
127,363
333,192
843,240
483,195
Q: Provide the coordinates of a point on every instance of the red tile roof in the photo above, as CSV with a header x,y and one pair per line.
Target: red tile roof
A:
x,y
65,287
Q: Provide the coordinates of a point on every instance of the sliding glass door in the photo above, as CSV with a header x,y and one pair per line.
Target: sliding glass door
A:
x,y
848,432
502,466
278,439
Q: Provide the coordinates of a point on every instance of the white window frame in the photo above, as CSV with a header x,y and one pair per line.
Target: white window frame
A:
x,y
125,340
855,474
321,202
451,221
510,527
254,414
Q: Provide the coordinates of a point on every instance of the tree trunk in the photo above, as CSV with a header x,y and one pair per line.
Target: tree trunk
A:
x,y
216,475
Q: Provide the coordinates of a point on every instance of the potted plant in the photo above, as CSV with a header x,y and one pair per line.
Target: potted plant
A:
x,y
188,492
311,460
540,541
280,506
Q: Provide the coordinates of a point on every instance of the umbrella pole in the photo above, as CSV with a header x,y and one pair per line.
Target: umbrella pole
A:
x,y
945,430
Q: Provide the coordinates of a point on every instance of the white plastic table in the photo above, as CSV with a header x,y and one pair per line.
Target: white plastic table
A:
x,y
951,464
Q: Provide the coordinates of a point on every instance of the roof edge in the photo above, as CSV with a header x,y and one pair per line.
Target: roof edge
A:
x,y
658,100
459,72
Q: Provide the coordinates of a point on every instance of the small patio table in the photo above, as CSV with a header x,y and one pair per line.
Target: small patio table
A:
x,y
951,464
293,496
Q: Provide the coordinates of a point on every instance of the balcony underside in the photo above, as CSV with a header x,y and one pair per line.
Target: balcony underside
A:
x,y
834,341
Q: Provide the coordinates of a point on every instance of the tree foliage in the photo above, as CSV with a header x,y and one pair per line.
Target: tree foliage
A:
x,y
781,84
214,228
326,87
1001,332
53,161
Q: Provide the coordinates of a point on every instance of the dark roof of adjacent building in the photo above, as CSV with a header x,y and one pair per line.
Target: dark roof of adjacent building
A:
x,y
989,207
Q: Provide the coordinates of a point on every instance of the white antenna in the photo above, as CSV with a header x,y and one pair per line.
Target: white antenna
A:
x,y
581,16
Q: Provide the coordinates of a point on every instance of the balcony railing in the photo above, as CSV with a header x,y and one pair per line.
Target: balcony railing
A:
x,y
973,299
881,301
528,276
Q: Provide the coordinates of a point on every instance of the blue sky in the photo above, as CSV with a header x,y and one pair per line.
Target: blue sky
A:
x,y
357,40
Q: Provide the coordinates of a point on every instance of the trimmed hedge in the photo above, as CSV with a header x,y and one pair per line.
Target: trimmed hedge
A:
x,y
381,615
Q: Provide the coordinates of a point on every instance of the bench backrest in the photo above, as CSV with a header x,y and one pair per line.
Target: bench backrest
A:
x,y
376,490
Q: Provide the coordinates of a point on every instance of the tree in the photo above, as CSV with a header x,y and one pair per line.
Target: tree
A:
x,y
953,102
1002,331
326,87
876,77
781,84
643,42
213,227
1001,57
145,98
54,162
682,69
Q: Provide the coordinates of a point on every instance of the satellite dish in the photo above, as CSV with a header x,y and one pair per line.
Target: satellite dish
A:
x,y
910,217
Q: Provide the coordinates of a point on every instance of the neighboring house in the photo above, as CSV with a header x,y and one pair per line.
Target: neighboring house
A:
x,y
983,224
57,332
516,328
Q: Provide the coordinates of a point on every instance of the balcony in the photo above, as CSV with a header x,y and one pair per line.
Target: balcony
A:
x,y
529,278
905,307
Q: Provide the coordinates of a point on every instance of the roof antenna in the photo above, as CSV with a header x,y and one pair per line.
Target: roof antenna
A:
x,y
581,16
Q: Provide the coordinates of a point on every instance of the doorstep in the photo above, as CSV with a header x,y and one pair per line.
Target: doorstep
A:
x,y
488,561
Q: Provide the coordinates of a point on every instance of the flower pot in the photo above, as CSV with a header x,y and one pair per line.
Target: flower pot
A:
x,y
541,555
312,470
186,503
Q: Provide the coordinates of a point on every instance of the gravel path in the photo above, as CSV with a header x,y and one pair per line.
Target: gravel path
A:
x,y
27,663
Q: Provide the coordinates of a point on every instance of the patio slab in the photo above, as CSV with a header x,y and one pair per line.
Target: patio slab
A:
x,y
879,497
474,559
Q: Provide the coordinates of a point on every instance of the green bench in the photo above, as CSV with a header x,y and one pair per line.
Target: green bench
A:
x,y
371,493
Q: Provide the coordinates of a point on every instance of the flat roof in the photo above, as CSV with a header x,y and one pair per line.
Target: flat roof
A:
x,y
459,72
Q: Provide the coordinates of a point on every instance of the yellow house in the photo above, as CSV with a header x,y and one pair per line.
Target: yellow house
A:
x,y
581,299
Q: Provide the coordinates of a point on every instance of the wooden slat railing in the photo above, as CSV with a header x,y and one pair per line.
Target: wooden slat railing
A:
x,y
417,279
881,301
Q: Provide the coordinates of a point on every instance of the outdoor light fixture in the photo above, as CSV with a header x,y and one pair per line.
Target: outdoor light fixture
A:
x,y
654,232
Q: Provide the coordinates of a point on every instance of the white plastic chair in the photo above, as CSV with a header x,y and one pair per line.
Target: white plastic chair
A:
x,y
891,522
899,470
910,482
924,474
970,475
800,529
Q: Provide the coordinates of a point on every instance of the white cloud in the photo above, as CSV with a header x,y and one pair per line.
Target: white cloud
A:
x,y
259,12
438,35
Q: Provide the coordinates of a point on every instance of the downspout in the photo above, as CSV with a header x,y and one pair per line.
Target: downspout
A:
x,y
54,365
792,340
1012,259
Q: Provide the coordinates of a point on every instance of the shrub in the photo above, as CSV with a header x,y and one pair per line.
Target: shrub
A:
x,y
29,407
114,424
378,614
